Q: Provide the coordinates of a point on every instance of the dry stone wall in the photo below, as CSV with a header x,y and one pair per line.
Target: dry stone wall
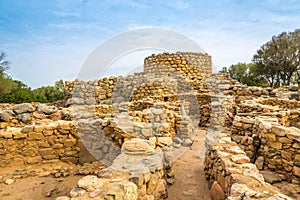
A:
x,y
21,114
189,64
279,150
231,175
155,106
136,174
240,115
133,124
33,144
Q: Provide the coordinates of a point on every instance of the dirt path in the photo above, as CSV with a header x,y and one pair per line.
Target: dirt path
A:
x,y
190,183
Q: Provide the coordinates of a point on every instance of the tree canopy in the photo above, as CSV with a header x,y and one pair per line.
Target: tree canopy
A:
x,y
276,62
14,91
246,73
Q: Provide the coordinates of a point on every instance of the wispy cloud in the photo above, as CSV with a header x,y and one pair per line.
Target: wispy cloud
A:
x,y
49,40
178,4
74,26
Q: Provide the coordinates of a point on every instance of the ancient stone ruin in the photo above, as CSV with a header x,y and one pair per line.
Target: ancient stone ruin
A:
x,y
126,132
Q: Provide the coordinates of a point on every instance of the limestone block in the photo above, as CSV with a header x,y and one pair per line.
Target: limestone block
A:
x,y
253,173
69,160
147,132
160,191
90,183
19,135
234,150
137,146
130,191
9,181
34,160
27,129
238,189
47,133
35,136
240,158
296,171
275,145
259,162
286,155
270,137
294,134
23,108
46,151
164,140
297,157
65,125
152,183
24,117
280,130
6,134
75,192
29,151
157,111
46,109
6,115
70,142
284,140
115,193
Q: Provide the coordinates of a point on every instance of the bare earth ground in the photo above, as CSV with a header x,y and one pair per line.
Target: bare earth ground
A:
x,y
38,188
190,183
37,182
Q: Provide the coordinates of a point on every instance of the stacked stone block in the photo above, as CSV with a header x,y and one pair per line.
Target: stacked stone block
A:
x,y
279,149
33,144
231,175
187,63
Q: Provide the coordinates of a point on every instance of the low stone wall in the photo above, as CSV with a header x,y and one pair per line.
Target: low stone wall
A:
x,y
39,143
21,114
281,103
231,175
279,150
89,92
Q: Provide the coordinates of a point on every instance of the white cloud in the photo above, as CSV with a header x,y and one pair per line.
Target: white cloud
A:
x,y
227,31
179,4
72,26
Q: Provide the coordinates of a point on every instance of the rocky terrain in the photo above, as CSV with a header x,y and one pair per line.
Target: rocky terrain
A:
x,y
174,131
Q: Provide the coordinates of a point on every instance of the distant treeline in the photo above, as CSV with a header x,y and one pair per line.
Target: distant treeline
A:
x,y
275,63
14,91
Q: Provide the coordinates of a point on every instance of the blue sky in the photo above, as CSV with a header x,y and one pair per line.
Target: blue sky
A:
x,y
50,40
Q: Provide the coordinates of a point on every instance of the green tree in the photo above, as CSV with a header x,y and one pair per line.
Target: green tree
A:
x,y
49,93
246,73
238,72
279,58
14,91
60,85
224,70
20,94
296,42
6,83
